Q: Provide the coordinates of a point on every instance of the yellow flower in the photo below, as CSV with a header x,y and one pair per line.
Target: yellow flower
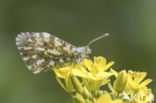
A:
x,y
83,82
106,98
93,73
136,89
132,87
135,80
65,74
144,96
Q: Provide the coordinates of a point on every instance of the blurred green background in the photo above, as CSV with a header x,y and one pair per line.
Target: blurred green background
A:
x,y
132,44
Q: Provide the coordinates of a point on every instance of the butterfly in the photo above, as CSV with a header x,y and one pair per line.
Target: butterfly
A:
x,y
42,51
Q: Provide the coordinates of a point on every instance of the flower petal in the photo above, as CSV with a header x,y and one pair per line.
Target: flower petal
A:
x,y
146,82
108,65
89,65
140,77
63,72
100,61
117,101
81,72
103,75
105,98
114,72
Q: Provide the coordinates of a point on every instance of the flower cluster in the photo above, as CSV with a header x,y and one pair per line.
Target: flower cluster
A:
x,y
87,82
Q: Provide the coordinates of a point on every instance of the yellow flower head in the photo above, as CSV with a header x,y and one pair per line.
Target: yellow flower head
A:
x,y
94,70
137,88
94,73
106,98
135,80
83,82
144,96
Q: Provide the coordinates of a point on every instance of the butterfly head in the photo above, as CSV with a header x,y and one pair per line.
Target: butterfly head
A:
x,y
86,50
83,51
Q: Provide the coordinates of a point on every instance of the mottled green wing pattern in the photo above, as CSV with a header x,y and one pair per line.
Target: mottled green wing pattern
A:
x,y
42,51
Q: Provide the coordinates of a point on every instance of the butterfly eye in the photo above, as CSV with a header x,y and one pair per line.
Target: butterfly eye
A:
x,y
87,50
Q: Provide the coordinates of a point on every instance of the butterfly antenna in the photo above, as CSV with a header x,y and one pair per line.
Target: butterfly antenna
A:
x,y
98,38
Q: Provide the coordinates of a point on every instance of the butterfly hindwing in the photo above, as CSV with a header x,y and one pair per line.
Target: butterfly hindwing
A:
x,y
42,51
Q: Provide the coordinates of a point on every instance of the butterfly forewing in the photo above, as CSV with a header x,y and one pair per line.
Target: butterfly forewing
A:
x,y
42,51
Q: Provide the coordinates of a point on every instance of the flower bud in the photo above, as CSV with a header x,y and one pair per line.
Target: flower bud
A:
x,y
87,94
77,99
77,85
98,93
120,82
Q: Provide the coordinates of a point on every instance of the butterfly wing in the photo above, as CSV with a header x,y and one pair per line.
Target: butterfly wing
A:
x,y
42,51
